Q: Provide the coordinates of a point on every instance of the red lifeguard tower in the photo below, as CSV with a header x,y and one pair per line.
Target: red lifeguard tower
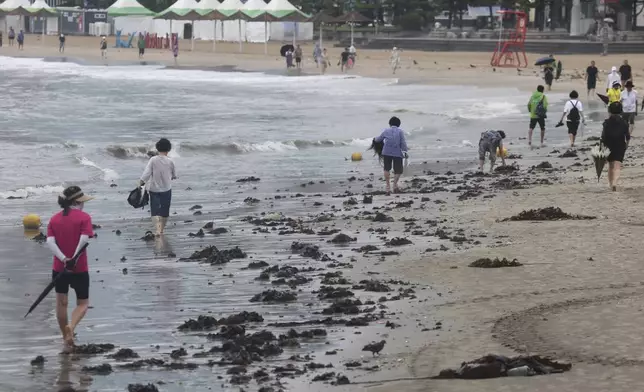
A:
x,y
510,50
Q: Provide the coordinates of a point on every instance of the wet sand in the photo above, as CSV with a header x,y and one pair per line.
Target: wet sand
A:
x,y
575,297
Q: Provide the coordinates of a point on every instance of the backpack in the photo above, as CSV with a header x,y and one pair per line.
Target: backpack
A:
x,y
138,198
540,110
573,115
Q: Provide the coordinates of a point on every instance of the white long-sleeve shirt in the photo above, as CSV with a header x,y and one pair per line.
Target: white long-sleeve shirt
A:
x,y
612,78
629,101
159,173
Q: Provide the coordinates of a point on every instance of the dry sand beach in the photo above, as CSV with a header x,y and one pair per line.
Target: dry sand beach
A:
x,y
577,296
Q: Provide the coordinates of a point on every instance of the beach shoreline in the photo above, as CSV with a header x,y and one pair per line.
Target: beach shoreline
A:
x,y
572,270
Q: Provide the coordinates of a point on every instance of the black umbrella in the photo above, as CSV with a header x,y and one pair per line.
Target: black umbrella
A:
x,y
286,48
51,285
544,61
603,98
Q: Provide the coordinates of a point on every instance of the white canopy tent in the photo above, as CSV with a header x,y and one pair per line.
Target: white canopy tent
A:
x,y
13,20
41,9
254,9
203,7
177,10
128,8
229,7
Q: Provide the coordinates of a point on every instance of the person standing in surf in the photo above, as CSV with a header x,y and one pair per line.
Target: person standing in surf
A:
x,y
157,177
615,93
393,152
613,77
324,61
591,79
61,45
538,108
344,60
317,52
67,232
574,114
491,141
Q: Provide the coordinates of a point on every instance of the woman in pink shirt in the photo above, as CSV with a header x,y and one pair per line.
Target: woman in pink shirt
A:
x,y
67,232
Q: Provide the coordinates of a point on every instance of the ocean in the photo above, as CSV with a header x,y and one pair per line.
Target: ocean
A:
x,y
92,126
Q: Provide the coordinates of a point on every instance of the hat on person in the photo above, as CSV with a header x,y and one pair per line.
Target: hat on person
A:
x,y
614,69
629,84
74,193
616,84
395,48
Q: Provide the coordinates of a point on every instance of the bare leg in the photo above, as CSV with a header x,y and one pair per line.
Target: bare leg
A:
x,y
529,138
61,314
79,312
387,181
396,178
492,161
543,135
611,169
572,140
616,172
481,163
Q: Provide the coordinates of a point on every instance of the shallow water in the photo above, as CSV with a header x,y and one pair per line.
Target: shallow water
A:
x,y
63,123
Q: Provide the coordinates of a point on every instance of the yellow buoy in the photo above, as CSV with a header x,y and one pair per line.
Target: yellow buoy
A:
x,y
31,222
504,152
356,156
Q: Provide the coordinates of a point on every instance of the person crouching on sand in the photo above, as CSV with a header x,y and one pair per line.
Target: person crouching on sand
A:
x,y
158,175
394,149
491,141
67,232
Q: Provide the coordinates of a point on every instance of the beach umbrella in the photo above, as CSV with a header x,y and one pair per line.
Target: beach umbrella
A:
x,y
600,155
51,284
232,10
322,18
182,10
351,18
128,8
544,61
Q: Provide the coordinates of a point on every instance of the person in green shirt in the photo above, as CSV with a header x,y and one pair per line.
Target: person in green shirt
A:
x,y
538,107
141,45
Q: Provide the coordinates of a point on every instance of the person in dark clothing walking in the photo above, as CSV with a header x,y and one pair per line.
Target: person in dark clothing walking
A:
x,y
21,40
615,136
625,72
591,79
61,40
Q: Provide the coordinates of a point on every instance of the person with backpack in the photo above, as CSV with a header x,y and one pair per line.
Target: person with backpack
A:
x,y
157,177
538,108
574,114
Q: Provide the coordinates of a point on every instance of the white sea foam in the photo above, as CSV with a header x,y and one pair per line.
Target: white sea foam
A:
x,y
264,147
109,175
32,191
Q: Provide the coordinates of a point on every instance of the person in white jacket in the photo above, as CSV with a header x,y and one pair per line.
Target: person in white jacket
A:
x,y
157,177
613,77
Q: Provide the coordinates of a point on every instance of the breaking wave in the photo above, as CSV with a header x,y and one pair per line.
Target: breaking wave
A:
x,y
109,175
31,191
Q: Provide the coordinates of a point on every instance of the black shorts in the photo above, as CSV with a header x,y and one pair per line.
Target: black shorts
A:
x,y
298,60
629,118
77,281
540,121
396,162
573,127
141,51
591,84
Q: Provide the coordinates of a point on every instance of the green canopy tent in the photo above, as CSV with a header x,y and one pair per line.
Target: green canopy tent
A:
x,y
41,9
352,18
283,11
232,9
182,10
128,8
255,10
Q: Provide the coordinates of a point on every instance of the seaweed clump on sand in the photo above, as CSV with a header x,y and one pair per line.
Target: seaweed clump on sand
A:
x,y
40,238
274,296
90,349
569,154
544,165
546,214
214,256
506,169
494,366
494,263
142,388
208,322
